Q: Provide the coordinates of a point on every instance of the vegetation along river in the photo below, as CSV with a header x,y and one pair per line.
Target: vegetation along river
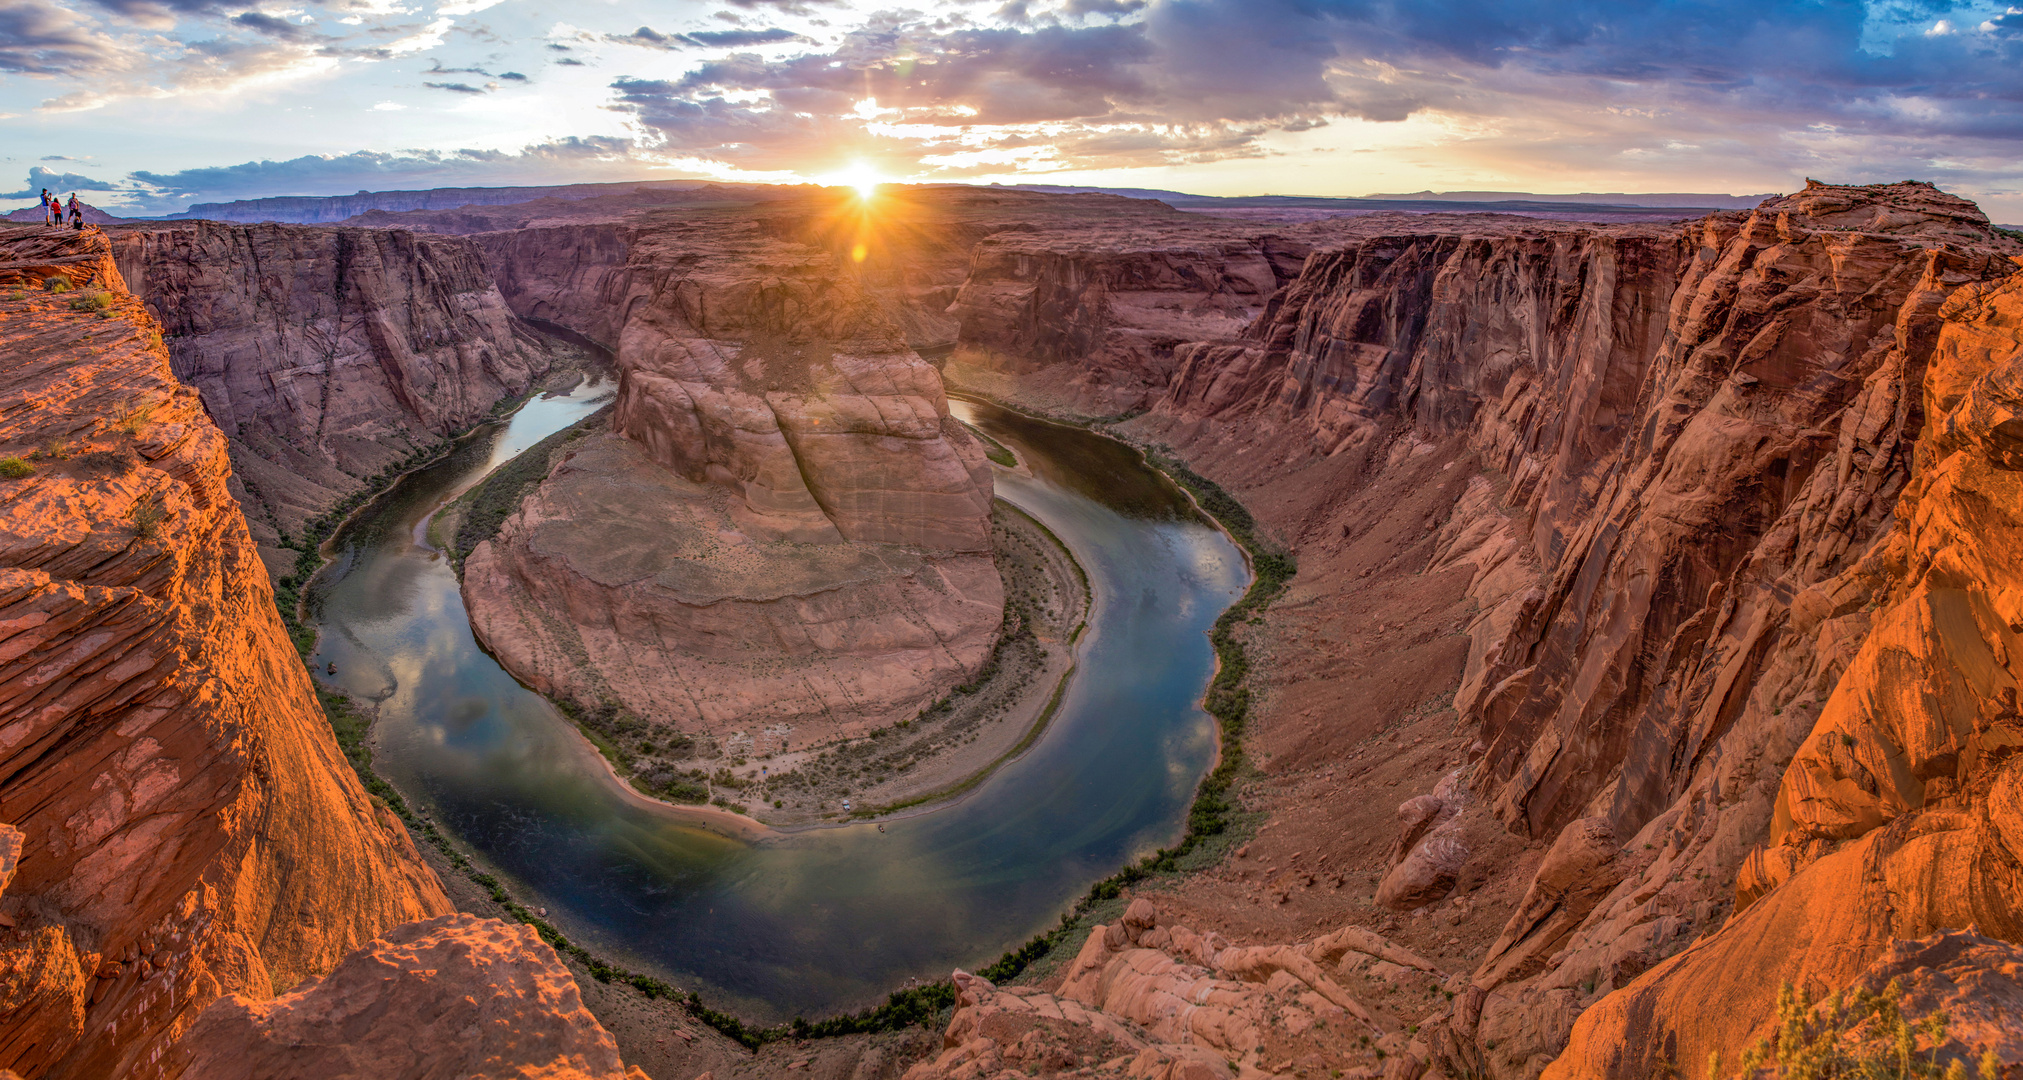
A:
x,y
828,919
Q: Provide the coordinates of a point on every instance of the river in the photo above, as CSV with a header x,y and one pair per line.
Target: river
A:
x,y
828,919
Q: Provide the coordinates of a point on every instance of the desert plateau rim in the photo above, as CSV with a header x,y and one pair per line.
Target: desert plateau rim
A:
x,y
1651,654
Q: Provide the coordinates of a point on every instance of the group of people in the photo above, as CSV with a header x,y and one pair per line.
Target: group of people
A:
x,y
52,210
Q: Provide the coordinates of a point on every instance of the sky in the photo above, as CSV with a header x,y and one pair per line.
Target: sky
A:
x,y
146,106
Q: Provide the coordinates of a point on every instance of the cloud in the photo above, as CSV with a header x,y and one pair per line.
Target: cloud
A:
x,y
41,38
210,66
739,39
462,88
785,7
707,39
157,14
39,178
570,160
276,28
1542,87
930,95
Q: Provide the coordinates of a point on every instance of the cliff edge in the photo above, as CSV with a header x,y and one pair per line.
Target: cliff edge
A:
x,y
188,826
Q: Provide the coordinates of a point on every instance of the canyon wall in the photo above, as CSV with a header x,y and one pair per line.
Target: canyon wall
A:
x,y
1899,815
570,275
785,526
187,827
1689,444
327,354
1091,321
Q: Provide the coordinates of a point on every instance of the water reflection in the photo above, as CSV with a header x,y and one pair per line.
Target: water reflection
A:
x,y
828,919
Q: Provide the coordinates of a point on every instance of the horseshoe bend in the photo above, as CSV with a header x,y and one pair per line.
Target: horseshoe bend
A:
x,y
940,631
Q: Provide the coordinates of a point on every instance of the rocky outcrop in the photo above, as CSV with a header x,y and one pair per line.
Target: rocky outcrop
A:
x,y
1898,815
187,827
327,354
619,580
1692,442
451,996
1096,319
1161,1002
791,529
571,276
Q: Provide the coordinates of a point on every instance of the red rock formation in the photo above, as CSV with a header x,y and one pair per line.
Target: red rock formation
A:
x,y
1692,442
327,354
793,528
451,996
571,276
188,826
1159,1001
1095,318
1899,814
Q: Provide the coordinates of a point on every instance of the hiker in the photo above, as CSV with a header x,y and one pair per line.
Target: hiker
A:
x,y
50,204
76,212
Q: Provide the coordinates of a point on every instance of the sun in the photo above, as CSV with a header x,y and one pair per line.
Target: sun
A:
x,y
859,176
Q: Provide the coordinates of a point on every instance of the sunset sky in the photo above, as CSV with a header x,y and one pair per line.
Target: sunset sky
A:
x,y
153,104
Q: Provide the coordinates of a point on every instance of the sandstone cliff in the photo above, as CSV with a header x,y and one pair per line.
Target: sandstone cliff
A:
x,y
1899,814
454,996
791,529
187,826
1091,320
1150,999
327,354
1672,456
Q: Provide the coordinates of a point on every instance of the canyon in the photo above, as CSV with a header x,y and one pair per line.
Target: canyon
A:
x,y
1651,647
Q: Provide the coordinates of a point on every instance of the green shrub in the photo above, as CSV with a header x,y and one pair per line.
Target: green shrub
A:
x,y
91,301
1858,1036
56,284
13,468
131,419
17,295
146,518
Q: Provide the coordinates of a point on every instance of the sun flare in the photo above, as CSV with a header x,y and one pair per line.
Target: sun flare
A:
x,y
859,176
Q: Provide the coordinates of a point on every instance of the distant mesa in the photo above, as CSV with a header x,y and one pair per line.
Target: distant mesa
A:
x,y
32,215
1668,199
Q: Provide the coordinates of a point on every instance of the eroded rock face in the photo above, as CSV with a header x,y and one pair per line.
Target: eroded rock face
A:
x,y
451,996
1098,321
1693,440
187,827
787,527
570,275
1158,1001
619,579
1899,814
327,354
764,368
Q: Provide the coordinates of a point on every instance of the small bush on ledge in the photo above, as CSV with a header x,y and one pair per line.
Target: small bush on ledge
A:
x,y
1859,1036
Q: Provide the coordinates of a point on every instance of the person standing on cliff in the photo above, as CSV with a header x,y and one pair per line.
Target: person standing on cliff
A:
x,y
51,214
76,212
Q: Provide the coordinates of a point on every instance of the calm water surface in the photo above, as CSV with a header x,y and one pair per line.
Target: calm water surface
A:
x,y
828,919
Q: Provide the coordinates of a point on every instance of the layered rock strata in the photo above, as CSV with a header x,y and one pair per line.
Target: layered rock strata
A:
x,y
451,996
187,827
1093,320
1149,998
1689,446
788,526
327,354
1899,814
